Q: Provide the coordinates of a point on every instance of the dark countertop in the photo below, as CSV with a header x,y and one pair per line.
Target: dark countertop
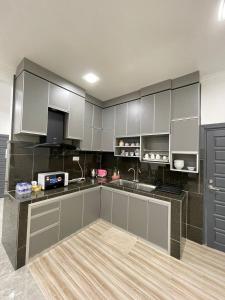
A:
x,y
90,183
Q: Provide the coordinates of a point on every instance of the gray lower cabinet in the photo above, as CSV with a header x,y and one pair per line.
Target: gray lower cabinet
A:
x,y
120,209
31,104
91,211
147,114
59,98
74,128
121,120
137,216
158,224
71,214
43,240
133,118
162,112
106,205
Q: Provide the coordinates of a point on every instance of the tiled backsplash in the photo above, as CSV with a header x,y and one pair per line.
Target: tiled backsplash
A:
x,y
26,162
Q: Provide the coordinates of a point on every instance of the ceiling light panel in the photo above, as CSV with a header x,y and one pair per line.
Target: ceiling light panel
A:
x,y
91,77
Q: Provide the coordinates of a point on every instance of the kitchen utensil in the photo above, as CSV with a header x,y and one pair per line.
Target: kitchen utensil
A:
x,y
101,173
157,157
165,158
179,164
191,168
121,143
137,144
93,173
152,156
127,144
132,144
131,153
126,153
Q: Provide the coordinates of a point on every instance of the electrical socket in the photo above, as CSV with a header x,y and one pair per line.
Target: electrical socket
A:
x,y
76,158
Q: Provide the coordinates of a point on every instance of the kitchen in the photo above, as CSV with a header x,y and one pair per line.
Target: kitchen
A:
x,y
93,187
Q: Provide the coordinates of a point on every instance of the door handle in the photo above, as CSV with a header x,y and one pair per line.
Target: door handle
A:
x,y
213,188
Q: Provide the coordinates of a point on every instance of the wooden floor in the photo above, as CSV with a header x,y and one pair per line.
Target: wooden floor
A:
x,y
103,262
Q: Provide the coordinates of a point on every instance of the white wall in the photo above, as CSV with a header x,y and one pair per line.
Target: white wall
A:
x,y
213,98
6,90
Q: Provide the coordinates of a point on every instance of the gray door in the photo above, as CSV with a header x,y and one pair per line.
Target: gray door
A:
x,y
137,216
162,112
3,146
91,206
106,205
120,210
147,114
215,189
121,120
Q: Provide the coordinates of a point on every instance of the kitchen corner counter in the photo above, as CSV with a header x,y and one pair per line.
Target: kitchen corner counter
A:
x,y
15,215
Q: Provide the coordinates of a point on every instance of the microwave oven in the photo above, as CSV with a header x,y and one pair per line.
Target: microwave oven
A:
x,y
52,180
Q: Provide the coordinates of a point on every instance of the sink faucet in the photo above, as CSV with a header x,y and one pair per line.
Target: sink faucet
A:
x,y
135,175
132,169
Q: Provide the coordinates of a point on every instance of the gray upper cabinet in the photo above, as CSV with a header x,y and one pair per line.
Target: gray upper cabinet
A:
x,y
59,98
75,118
158,225
106,205
86,143
91,210
88,114
108,120
71,214
133,118
147,114
120,210
121,120
96,139
97,121
31,105
137,216
185,102
185,135
162,112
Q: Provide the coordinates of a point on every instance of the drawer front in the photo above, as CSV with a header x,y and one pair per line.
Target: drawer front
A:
x,y
44,207
43,240
44,220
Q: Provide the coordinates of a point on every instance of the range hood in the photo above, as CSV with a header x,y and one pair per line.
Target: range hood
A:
x,y
55,131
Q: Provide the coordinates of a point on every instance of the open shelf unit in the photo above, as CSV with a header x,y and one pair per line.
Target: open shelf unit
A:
x,y
155,145
130,147
190,160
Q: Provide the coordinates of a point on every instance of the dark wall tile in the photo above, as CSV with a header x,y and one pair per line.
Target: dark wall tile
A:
x,y
195,234
195,210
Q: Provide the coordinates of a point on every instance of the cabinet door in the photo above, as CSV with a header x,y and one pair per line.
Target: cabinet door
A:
x,y
86,143
185,135
43,240
106,205
158,229
147,114
107,140
97,139
162,112
59,98
137,216
108,118
97,122
34,105
75,118
88,114
120,210
71,214
133,118
91,206
185,102
121,120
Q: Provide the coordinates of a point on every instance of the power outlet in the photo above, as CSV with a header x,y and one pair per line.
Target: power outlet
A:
x,y
76,158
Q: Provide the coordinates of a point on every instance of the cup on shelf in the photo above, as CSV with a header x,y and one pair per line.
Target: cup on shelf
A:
x,y
121,143
132,144
158,157
137,152
165,158
131,153
137,144
126,153
152,156
146,156
127,144
123,152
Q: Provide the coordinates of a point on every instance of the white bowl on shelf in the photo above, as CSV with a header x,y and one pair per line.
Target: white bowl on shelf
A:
x,y
191,168
178,164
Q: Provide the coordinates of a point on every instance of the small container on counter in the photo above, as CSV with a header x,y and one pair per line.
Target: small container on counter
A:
x,y
23,188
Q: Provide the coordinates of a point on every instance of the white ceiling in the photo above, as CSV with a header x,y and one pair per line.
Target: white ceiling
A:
x,y
129,44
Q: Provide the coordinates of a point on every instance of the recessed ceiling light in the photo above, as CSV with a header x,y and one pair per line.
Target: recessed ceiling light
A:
x,y
91,77
221,14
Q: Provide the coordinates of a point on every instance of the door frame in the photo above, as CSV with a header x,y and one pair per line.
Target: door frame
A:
x,y
205,129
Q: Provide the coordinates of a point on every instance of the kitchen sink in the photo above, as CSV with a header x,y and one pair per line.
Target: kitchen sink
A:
x,y
134,185
125,183
145,187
